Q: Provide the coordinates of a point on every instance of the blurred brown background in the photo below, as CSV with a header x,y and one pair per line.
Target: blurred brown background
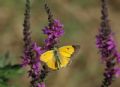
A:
x,y
81,20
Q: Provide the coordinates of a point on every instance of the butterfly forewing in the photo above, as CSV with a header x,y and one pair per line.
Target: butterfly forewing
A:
x,y
66,50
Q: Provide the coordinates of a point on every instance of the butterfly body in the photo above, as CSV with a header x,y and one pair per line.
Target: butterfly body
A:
x,y
58,57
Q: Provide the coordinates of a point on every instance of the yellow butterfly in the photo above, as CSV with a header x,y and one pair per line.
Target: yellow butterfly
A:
x,y
58,57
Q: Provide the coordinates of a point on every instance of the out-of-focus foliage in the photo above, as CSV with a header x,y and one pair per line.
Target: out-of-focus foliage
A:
x,y
8,71
81,20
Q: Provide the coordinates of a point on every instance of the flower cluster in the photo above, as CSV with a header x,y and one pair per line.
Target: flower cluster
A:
x,y
107,48
53,32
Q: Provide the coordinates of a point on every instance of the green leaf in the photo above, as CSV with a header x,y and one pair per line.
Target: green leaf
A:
x,y
10,71
3,82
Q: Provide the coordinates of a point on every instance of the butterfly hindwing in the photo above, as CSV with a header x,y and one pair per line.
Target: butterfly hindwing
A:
x,y
64,61
45,57
66,53
49,59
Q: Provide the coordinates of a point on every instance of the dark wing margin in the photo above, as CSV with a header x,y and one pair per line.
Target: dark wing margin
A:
x,y
76,47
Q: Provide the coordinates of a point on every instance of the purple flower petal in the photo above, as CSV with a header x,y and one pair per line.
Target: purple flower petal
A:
x,y
117,72
41,84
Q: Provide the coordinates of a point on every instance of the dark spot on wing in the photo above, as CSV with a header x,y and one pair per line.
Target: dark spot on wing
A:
x,y
68,48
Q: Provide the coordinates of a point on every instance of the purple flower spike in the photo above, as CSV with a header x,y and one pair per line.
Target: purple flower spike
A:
x,y
107,47
54,31
27,37
31,51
